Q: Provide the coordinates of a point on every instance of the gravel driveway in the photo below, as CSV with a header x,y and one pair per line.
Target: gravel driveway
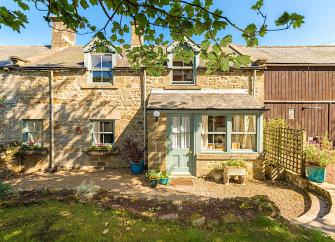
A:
x,y
291,201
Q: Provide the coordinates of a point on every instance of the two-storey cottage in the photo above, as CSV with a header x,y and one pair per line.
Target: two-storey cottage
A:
x,y
68,97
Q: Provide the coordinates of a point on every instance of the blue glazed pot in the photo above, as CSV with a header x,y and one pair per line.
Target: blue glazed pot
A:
x,y
164,181
316,173
136,168
154,183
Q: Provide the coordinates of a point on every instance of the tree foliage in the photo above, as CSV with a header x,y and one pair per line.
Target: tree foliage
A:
x,y
180,17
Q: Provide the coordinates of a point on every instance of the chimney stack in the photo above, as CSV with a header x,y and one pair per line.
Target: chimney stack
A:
x,y
61,35
135,39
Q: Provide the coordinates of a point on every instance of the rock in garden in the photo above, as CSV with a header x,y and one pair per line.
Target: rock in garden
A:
x,y
230,218
170,216
197,220
177,202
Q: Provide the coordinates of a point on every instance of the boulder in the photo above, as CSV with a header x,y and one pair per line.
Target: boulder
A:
x,y
230,218
197,220
169,216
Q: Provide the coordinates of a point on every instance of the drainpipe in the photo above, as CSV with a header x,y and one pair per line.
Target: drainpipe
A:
x,y
51,126
144,112
253,84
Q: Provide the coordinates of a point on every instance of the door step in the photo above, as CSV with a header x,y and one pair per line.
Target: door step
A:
x,y
181,180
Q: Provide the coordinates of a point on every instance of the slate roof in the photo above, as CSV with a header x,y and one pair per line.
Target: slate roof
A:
x,y
202,100
324,54
73,57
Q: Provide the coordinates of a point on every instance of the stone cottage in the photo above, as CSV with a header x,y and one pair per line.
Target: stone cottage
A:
x,y
69,97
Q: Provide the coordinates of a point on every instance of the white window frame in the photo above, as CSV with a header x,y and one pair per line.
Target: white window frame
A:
x,y
183,68
32,132
105,69
92,131
213,133
244,132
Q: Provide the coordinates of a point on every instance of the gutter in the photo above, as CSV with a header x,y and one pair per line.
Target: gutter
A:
x,y
144,114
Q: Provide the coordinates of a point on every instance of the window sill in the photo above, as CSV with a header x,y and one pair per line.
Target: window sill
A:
x,y
99,86
219,156
182,87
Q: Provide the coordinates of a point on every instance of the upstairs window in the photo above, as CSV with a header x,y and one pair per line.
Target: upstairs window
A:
x,y
101,68
182,72
102,132
32,132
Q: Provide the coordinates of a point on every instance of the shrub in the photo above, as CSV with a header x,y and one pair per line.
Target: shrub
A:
x,y
130,151
153,174
234,162
317,156
5,189
87,190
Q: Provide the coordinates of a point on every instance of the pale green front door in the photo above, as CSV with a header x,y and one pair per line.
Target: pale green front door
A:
x,y
180,143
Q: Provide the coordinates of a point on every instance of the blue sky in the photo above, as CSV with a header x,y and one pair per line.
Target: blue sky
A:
x,y
319,27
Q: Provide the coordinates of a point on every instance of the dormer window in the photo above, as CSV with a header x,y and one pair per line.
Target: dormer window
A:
x,y
183,72
101,68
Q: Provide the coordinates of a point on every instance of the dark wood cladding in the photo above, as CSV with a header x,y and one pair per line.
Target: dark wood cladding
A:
x,y
309,90
315,120
300,83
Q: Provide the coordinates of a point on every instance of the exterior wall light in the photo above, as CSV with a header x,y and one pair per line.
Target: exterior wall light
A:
x,y
156,115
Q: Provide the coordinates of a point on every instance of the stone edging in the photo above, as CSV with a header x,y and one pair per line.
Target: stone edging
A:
x,y
316,217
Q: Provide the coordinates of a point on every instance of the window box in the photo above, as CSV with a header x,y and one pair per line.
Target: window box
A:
x,y
102,151
28,151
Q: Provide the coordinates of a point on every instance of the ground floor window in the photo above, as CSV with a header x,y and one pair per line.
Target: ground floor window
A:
x,y
243,135
32,132
102,132
214,132
229,132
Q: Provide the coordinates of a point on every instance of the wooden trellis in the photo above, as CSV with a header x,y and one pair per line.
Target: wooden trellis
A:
x,y
285,147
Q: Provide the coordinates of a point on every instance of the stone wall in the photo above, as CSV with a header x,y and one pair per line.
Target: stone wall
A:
x,y
76,102
207,163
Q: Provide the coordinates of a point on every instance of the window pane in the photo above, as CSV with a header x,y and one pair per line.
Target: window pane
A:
x,y
96,61
108,126
243,141
96,76
106,61
177,75
220,141
175,141
244,123
188,75
185,125
185,141
175,124
108,138
107,76
220,124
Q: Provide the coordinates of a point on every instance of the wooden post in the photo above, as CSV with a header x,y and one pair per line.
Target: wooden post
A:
x,y
303,160
51,123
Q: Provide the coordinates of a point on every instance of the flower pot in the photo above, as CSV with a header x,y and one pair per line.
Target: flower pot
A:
x,y
154,183
164,181
316,173
136,168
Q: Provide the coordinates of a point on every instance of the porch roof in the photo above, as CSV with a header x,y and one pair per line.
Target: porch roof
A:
x,y
202,100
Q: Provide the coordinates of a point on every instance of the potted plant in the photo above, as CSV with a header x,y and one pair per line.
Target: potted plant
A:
x,y
154,176
102,150
164,179
316,161
31,149
234,168
131,152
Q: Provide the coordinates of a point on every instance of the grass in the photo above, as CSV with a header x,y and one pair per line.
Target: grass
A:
x,y
56,221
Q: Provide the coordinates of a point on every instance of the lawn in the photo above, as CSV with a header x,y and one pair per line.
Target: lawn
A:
x,y
58,221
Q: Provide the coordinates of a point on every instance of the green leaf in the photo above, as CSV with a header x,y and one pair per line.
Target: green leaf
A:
x,y
283,19
258,5
244,60
205,44
226,40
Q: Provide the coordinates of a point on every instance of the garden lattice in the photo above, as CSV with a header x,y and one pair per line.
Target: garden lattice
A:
x,y
285,147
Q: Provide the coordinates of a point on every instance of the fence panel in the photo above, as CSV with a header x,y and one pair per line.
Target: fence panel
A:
x,y
285,147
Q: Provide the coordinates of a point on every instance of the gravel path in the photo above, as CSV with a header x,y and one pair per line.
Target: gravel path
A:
x,y
290,200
